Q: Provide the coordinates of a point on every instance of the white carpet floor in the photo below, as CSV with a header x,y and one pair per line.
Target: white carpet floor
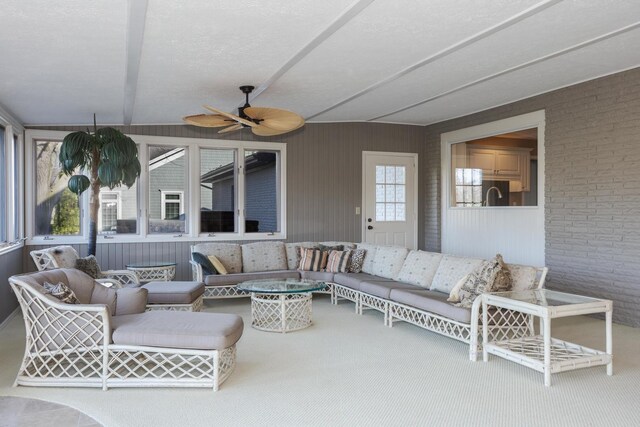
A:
x,y
350,370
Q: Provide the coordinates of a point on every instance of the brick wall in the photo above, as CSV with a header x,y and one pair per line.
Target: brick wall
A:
x,y
592,189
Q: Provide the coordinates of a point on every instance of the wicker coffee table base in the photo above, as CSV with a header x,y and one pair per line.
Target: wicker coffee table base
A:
x,y
281,312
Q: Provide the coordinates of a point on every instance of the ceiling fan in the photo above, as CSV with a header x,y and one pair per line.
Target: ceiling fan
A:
x,y
263,121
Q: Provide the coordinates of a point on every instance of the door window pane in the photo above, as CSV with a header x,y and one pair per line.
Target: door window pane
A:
x,y
167,186
57,208
262,196
218,191
390,193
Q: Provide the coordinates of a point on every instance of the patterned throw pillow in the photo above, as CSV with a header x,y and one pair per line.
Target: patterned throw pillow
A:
x,y
312,260
217,265
490,276
207,267
89,265
326,248
338,261
357,260
61,292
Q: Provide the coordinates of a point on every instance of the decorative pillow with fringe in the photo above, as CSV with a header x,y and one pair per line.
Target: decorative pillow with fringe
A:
x,y
61,292
490,276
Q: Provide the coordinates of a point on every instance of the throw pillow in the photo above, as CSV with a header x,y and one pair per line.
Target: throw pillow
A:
x,y
61,292
338,261
299,250
312,260
454,295
490,276
89,265
205,263
357,260
217,265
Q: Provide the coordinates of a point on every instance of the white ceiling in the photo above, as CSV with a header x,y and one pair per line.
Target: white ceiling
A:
x,y
409,61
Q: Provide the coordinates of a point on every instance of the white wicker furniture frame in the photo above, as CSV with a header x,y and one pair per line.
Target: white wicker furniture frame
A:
x,y
194,306
44,260
503,323
164,273
281,312
542,352
69,345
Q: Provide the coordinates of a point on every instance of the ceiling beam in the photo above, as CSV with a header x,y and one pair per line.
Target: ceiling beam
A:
x,y
537,8
569,49
135,35
347,15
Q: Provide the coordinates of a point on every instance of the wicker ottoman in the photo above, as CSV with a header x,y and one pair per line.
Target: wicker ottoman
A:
x,y
174,296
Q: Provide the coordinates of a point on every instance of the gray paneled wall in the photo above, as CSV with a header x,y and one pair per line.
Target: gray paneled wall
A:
x,y
10,264
592,188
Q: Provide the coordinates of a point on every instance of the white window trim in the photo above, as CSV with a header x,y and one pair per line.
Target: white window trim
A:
x,y
191,199
118,205
163,201
14,230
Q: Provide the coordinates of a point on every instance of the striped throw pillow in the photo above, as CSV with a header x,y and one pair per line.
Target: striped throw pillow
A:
x,y
338,261
312,260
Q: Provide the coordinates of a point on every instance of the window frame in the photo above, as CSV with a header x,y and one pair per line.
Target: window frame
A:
x,y
118,195
191,198
13,183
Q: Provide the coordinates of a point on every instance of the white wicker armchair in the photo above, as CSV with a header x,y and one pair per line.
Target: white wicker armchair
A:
x,y
47,259
73,345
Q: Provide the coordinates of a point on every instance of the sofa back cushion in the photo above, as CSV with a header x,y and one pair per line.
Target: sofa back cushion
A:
x,y
523,277
450,270
419,268
229,254
345,245
369,257
293,257
388,261
263,256
64,256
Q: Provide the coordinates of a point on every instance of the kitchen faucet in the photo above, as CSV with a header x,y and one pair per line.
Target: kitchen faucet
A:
x,y
486,197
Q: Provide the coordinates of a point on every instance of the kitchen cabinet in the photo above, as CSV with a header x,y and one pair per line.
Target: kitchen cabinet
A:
x,y
502,164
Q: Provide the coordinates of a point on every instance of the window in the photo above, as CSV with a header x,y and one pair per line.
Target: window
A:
x,y
232,190
3,188
499,170
390,193
167,185
57,210
218,183
262,198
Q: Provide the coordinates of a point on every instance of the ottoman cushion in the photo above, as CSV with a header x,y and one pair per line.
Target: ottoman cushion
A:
x,y
177,329
173,292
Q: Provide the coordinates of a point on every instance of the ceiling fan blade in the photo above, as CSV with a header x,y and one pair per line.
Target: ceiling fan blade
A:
x,y
231,128
261,130
275,118
231,116
207,120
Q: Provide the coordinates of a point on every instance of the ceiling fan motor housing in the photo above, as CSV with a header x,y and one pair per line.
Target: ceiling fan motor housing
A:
x,y
247,89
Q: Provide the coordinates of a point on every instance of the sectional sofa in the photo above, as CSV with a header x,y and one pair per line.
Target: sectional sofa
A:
x,y
410,286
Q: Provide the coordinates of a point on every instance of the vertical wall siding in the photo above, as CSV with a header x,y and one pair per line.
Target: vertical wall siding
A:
x,y
592,186
324,183
10,264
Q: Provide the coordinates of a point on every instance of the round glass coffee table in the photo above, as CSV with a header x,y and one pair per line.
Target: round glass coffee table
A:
x,y
153,271
281,305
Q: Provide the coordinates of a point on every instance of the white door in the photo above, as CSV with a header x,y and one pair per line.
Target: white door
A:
x,y
389,199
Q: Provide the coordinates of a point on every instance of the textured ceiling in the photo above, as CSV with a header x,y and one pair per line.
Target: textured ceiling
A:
x,y
410,61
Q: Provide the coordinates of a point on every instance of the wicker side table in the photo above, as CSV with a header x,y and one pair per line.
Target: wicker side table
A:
x,y
153,271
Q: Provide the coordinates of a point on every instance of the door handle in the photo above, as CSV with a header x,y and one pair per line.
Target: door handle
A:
x,y
370,227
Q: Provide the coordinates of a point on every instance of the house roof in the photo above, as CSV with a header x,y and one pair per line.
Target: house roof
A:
x,y
410,61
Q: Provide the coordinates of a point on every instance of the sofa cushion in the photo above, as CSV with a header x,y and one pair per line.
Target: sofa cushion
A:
x,y
451,270
173,292
353,280
178,329
104,295
263,256
234,279
369,257
382,289
389,260
205,263
131,301
64,256
523,277
431,301
419,268
229,254
322,276
293,256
